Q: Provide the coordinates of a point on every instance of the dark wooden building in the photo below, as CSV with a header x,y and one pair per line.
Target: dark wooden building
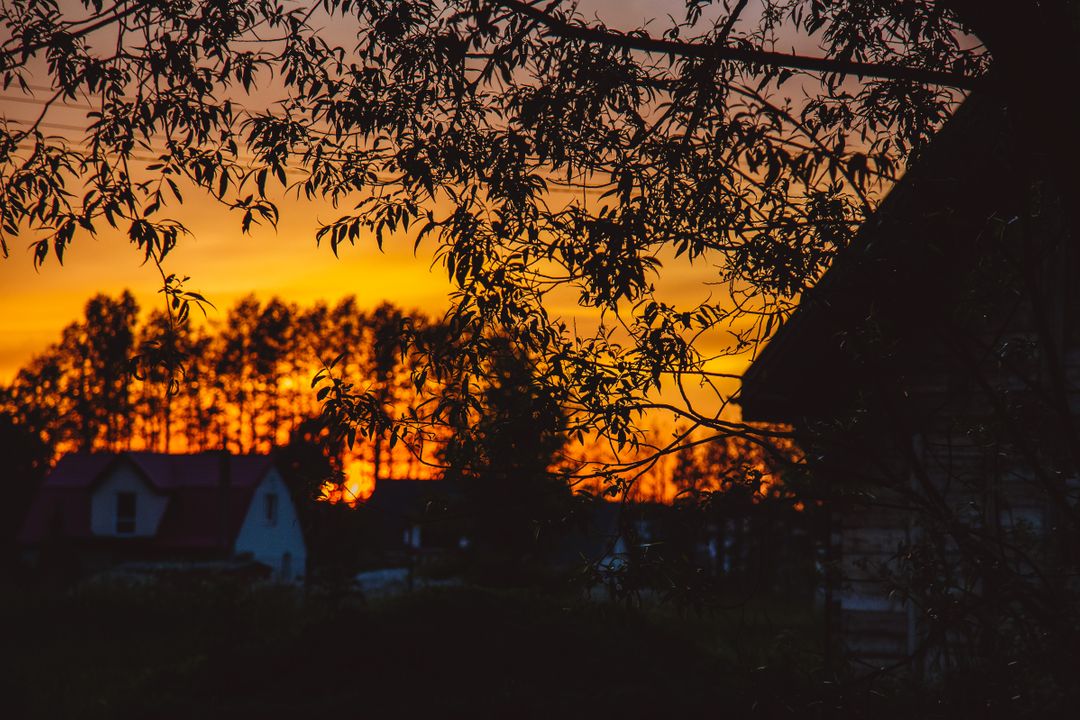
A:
x,y
932,377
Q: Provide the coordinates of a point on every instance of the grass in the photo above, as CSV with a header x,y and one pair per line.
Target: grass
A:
x,y
218,651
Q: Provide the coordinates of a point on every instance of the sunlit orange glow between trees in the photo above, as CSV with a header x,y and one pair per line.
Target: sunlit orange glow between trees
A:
x,y
356,484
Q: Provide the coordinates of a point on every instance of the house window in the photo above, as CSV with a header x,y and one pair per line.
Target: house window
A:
x,y
125,513
271,506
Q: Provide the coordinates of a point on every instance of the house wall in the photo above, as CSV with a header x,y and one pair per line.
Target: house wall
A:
x,y
983,486
149,504
278,544
873,623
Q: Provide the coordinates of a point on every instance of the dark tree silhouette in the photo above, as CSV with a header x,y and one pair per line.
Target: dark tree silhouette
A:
x,y
387,327
501,457
26,460
110,383
460,121
107,345
78,391
689,140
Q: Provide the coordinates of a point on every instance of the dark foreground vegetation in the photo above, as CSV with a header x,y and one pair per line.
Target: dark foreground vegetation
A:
x,y
233,651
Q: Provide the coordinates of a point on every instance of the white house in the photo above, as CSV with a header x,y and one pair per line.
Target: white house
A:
x,y
140,506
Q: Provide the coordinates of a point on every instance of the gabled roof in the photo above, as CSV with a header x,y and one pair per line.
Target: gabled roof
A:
x,y
897,275
202,504
163,471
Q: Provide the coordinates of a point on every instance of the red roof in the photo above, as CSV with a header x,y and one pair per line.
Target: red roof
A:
x,y
198,499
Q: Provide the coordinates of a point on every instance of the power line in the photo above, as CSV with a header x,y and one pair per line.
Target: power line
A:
x,y
42,103
51,125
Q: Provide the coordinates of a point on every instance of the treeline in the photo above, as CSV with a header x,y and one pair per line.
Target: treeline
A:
x,y
241,382
122,379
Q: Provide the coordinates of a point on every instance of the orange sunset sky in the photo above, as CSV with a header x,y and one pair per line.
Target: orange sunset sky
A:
x,y
224,264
